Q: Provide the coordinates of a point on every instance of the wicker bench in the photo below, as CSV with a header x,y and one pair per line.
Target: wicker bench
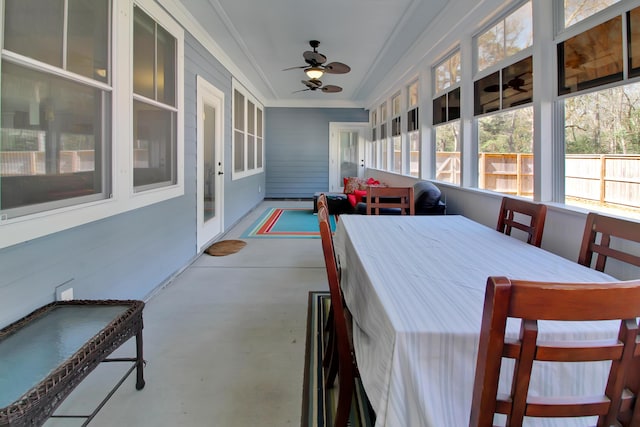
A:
x,y
47,353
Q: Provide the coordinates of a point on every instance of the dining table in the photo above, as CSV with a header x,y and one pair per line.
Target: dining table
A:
x,y
415,287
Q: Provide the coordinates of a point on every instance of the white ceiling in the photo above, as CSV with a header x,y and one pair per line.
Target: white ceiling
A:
x,y
262,37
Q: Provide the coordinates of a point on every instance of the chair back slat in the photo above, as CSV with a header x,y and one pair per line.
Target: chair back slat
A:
x,y
401,198
596,240
511,215
531,302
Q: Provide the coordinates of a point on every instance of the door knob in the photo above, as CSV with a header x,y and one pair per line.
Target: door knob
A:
x,y
220,173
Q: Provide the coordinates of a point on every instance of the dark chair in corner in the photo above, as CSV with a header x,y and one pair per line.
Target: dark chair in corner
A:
x,y
607,227
574,302
390,201
346,366
512,209
428,199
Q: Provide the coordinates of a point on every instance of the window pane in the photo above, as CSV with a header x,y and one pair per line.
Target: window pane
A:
x,y
384,154
88,38
448,152
154,146
448,72
238,111
506,152
440,109
591,58
491,47
374,117
374,134
166,67
413,94
397,154
259,122
487,94
518,30
259,154
414,153
396,105
396,127
251,111
412,120
36,35
144,54
238,152
518,83
634,42
577,10
453,104
383,113
602,144
55,141
251,152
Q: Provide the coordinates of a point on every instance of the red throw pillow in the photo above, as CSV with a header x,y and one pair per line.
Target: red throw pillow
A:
x,y
358,195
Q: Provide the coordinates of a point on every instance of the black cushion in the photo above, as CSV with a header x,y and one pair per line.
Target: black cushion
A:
x,y
426,195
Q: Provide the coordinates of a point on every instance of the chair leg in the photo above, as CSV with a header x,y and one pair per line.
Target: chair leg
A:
x,y
345,400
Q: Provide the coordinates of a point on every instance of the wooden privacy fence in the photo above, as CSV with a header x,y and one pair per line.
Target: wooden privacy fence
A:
x,y
605,179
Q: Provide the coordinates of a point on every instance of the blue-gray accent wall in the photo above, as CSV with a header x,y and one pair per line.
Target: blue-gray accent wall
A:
x,y
128,256
297,148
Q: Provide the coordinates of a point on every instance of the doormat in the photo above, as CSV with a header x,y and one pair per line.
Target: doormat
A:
x,y
287,223
225,247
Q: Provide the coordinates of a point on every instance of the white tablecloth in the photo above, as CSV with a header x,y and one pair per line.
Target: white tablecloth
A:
x,y
415,287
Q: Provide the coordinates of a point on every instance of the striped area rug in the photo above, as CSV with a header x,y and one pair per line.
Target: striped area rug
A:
x,y
316,400
286,223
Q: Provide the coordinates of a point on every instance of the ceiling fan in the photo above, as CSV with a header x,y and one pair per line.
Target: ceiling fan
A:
x,y
316,66
315,84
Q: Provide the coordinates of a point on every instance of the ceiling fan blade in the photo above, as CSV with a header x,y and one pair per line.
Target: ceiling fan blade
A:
x,y
337,68
331,89
301,90
314,58
295,68
312,84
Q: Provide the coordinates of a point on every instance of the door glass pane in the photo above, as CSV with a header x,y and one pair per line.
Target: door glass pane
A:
x,y
348,154
36,35
87,38
210,162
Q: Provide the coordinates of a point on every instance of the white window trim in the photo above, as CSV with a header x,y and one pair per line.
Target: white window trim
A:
x,y
28,227
248,97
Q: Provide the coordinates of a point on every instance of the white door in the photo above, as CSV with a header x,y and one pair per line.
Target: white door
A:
x,y
210,112
346,152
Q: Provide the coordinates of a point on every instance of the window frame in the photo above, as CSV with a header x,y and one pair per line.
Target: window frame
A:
x,y
123,198
236,86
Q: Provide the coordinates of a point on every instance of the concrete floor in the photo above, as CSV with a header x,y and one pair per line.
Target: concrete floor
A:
x,y
224,342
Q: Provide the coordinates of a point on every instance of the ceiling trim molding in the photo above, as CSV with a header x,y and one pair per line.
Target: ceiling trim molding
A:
x,y
240,41
316,103
394,33
191,25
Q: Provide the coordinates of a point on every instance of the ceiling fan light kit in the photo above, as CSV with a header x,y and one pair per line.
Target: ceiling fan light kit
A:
x,y
314,72
315,69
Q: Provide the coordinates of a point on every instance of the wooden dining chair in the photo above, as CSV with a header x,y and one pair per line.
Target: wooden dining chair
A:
x,y
598,231
390,200
522,215
347,370
534,301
